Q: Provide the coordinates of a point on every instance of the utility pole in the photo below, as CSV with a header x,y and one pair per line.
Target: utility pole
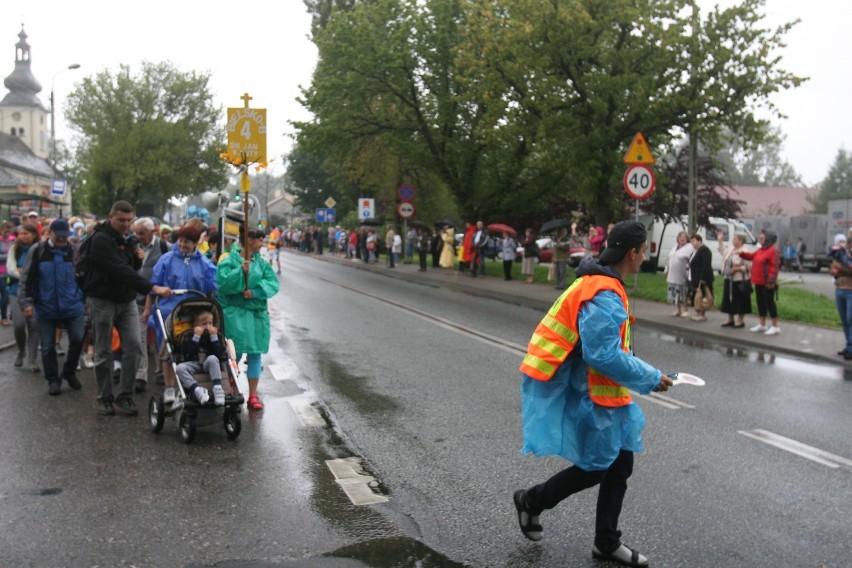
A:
x,y
691,209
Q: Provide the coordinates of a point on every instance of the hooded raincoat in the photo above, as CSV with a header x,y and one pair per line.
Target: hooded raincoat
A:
x,y
179,272
246,321
559,417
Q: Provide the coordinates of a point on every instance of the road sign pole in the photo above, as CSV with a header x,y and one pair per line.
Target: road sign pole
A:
x,y
245,185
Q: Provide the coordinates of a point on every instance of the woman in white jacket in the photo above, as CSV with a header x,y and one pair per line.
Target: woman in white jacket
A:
x,y
677,274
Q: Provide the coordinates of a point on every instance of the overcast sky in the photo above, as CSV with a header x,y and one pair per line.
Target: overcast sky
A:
x,y
263,48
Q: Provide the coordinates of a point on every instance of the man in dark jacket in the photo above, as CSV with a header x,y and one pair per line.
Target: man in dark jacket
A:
x,y
48,291
114,259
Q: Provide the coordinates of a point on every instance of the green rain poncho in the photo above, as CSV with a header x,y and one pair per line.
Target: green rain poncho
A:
x,y
246,321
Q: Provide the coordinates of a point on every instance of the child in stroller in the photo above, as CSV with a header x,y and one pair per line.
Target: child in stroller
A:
x,y
201,352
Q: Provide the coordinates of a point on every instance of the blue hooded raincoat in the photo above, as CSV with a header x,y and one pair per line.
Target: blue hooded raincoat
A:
x,y
177,271
559,417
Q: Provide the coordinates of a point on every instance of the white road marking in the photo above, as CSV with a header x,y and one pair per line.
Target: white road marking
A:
x,y
803,450
358,486
665,401
307,414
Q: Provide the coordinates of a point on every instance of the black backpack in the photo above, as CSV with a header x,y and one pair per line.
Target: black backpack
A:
x,y
83,267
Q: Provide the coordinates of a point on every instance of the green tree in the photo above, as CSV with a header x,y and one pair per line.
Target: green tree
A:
x,y
145,137
837,184
321,10
585,75
517,105
385,92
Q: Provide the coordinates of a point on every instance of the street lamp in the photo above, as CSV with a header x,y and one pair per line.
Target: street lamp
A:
x,y
53,114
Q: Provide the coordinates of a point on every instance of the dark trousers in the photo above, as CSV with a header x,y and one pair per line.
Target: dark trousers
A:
x,y
613,485
765,301
4,297
507,269
76,328
422,254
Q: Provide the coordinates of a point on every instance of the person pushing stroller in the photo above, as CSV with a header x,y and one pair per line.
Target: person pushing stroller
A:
x,y
201,352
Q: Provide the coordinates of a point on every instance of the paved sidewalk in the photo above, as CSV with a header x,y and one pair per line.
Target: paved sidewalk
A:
x,y
796,339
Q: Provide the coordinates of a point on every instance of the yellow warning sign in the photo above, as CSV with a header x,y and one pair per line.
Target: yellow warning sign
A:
x,y
639,152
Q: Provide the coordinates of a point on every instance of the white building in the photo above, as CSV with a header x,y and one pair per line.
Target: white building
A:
x,y
26,175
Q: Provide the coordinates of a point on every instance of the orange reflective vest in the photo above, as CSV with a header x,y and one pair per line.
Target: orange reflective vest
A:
x,y
556,336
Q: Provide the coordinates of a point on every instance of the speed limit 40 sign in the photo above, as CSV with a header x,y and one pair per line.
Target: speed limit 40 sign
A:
x,y
639,181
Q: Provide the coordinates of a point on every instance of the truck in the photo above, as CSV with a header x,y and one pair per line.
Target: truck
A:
x,y
662,237
815,230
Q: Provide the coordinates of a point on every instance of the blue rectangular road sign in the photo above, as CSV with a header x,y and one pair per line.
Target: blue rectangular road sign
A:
x,y
325,214
58,187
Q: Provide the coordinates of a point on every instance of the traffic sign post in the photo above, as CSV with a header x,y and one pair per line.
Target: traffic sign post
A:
x,y
406,192
58,188
639,152
639,181
405,210
366,208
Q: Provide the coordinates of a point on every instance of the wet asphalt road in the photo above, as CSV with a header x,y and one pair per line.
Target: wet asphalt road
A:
x,y
433,412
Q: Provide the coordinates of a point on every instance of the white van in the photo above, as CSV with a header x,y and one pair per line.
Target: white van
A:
x,y
662,238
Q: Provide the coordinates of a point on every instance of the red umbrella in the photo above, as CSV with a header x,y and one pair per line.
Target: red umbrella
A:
x,y
501,228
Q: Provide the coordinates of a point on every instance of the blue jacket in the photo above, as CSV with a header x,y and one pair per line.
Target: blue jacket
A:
x,y
175,271
47,282
560,419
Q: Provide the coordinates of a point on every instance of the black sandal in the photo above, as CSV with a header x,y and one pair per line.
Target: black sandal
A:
x,y
526,519
624,555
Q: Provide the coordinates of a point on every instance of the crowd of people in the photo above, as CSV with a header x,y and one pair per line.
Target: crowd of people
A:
x,y
690,278
96,282
457,249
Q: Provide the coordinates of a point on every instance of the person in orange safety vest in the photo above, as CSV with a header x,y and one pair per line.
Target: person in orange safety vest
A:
x,y
577,376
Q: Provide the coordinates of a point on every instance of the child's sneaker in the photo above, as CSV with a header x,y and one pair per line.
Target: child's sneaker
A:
x,y
218,395
201,395
169,395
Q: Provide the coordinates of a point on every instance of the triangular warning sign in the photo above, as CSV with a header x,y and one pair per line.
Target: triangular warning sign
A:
x,y
639,153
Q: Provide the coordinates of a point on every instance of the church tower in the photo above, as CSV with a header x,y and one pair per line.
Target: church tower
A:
x,y
21,112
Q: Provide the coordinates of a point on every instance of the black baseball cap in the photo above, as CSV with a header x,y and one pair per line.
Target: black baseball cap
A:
x,y
625,235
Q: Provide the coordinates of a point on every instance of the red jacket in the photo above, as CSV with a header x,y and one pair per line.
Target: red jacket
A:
x,y
764,265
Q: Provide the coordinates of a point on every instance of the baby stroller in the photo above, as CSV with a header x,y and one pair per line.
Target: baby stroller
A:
x,y
187,411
